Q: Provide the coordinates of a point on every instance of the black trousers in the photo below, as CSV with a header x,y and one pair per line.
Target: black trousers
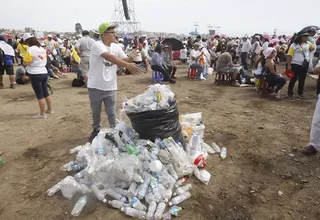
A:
x,y
171,70
165,74
300,74
318,85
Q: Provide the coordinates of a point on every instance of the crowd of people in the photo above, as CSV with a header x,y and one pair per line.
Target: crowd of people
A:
x,y
98,59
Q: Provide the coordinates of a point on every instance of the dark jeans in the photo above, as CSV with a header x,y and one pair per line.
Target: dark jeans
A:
x,y
299,74
276,81
39,84
172,70
165,74
244,57
243,74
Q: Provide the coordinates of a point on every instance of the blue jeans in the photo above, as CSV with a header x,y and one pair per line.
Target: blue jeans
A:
x,y
77,71
244,57
199,67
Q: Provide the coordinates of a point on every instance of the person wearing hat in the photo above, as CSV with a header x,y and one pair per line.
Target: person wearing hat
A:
x,y
256,49
194,62
105,58
50,43
96,35
38,74
245,48
168,61
6,62
83,48
298,59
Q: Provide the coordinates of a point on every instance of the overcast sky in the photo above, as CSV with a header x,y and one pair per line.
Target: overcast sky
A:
x,y
235,17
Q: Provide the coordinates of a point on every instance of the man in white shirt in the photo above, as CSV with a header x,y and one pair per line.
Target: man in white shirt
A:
x,y
255,50
105,57
83,48
245,49
50,44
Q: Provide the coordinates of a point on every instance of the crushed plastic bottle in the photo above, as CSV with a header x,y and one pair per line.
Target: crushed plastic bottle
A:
x,y
117,204
215,147
175,210
81,203
179,199
167,216
135,202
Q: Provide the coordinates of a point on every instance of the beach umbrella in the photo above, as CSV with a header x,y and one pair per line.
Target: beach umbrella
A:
x,y
309,28
174,43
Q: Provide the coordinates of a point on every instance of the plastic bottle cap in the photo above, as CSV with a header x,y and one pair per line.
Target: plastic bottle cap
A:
x,y
170,203
105,201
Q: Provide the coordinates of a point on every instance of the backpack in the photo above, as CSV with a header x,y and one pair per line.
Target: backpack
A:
x,y
1,57
78,83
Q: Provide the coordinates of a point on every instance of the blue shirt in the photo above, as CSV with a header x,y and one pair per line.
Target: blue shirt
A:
x,y
8,60
156,59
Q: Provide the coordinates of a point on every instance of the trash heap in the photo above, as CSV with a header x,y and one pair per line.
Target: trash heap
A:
x,y
137,176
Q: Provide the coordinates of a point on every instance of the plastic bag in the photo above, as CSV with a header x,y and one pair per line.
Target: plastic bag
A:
x,y
157,124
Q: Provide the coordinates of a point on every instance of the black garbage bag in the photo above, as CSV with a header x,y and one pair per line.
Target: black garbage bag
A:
x,y
158,124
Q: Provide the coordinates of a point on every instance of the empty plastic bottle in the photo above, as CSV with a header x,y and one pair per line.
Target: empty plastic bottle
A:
x,y
215,147
122,185
163,192
167,216
183,189
150,197
179,199
80,174
151,210
159,211
136,177
98,193
169,192
143,188
132,188
81,203
172,171
223,153
117,204
175,210
134,212
110,192
75,149
132,150
123,192
135,202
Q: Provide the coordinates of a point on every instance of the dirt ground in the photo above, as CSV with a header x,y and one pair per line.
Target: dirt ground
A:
x,y
264,139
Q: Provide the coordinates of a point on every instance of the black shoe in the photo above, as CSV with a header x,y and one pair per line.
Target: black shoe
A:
x,y
92,136
12,86
172,81
309,150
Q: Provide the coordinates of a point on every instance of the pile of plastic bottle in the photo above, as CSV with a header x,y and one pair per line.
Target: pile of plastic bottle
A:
x,y
155,97
139,177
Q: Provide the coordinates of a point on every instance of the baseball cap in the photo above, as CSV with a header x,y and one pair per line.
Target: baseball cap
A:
x,y
105,26
49,35
26,36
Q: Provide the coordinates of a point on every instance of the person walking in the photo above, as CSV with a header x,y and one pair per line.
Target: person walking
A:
x,y
38,74
6,62
105,57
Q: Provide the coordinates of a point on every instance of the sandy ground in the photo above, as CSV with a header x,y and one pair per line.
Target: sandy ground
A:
x,y
264,138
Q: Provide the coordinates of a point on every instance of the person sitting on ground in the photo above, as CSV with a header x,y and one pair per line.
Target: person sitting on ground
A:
x,y
268,66
21,76
194,62
168,61
226,65
157,64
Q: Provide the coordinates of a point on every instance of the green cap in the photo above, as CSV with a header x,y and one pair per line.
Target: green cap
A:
x,y
104,26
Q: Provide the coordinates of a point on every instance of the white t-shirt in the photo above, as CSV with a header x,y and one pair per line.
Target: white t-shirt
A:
x,y
194,53
246,47
265,45
183,54
39,60
102,73
49,45
138,57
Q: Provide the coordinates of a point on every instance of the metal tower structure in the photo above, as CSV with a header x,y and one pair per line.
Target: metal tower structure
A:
x,y
119,18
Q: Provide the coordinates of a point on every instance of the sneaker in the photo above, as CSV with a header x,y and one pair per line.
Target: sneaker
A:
x,y
40,116
49,112
12,86
309,150
301,96
172,81
92,136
